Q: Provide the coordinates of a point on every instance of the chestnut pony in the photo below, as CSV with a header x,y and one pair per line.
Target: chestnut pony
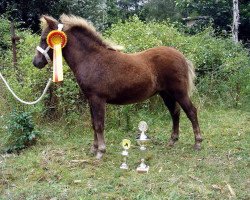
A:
x,y
107,75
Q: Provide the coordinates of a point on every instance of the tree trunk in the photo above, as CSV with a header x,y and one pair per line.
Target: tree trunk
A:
x,y
236,21
14,39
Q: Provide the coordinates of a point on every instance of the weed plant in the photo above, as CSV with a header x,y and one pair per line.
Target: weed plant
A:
x,y
21,132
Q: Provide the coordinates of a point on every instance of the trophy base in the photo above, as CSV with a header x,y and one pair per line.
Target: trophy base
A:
x,y
142,148
125,153
143,169
124,166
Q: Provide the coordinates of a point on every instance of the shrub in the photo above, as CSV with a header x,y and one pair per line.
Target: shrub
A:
x,y
21,131
5,42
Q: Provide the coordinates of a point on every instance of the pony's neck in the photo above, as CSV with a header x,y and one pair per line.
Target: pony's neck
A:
x,y
79,47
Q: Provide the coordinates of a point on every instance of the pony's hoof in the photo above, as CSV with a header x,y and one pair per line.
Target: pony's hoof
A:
x,y
99,155
171,143
197,146
93,150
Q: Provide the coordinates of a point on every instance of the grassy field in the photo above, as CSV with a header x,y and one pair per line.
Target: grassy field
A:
x,y
60,166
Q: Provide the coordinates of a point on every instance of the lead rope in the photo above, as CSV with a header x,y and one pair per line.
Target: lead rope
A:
x,y
45,53
22,101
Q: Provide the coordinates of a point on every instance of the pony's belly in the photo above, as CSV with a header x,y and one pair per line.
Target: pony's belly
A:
x,y
124,101
130,97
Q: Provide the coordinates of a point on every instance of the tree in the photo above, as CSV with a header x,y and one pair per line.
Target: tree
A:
x,y
244,31
29,13
161,10
103,13
220,11
236,20
92,10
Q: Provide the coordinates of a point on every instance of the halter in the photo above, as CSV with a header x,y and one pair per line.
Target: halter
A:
x,y
45,52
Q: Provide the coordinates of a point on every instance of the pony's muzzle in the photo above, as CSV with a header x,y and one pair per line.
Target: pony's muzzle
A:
x,y
38,63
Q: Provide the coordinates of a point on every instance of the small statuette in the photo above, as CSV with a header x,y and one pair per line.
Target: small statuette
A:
x,y
142,140
126,145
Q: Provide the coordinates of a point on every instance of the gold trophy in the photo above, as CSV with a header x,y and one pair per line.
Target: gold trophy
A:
x,y
126,145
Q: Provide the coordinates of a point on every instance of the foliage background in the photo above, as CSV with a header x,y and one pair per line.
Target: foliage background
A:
x,y
103,13
222,67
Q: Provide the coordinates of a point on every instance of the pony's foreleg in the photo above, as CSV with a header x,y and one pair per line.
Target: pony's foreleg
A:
x,y
97,107
94,147
174,110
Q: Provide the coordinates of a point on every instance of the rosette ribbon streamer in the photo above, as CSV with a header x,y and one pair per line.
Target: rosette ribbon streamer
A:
x,y
56,40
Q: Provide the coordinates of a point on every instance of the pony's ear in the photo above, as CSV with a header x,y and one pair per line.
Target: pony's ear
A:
x,y
51,22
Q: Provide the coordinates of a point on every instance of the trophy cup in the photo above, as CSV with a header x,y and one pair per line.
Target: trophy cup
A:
x,y
142,140
126,145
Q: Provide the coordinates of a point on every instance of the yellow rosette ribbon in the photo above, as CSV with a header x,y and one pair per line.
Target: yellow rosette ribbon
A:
x,y
56,40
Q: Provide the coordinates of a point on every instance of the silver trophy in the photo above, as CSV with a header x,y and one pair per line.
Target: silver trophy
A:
x,y
126,145
142,140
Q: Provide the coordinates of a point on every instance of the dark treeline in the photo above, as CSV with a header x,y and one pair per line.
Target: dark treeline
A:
x,y
103,13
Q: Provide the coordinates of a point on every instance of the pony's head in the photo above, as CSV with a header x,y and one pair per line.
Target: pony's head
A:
x,y
44,52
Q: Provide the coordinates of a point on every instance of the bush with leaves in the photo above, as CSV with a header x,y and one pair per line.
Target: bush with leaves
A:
x,y
5,42
21,131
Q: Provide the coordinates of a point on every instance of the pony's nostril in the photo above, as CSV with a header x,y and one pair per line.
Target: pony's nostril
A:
x,y
34,62
38,64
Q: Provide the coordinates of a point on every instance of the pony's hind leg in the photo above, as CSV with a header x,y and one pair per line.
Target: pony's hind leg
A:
x,y
191,113
174,110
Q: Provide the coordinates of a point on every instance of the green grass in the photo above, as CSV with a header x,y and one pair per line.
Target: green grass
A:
x,y
60,164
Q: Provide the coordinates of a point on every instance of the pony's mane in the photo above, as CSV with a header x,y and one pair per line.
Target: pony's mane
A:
x,y
43,22
71,21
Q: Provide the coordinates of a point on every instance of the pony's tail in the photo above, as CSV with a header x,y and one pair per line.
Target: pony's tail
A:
x,y
191,77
